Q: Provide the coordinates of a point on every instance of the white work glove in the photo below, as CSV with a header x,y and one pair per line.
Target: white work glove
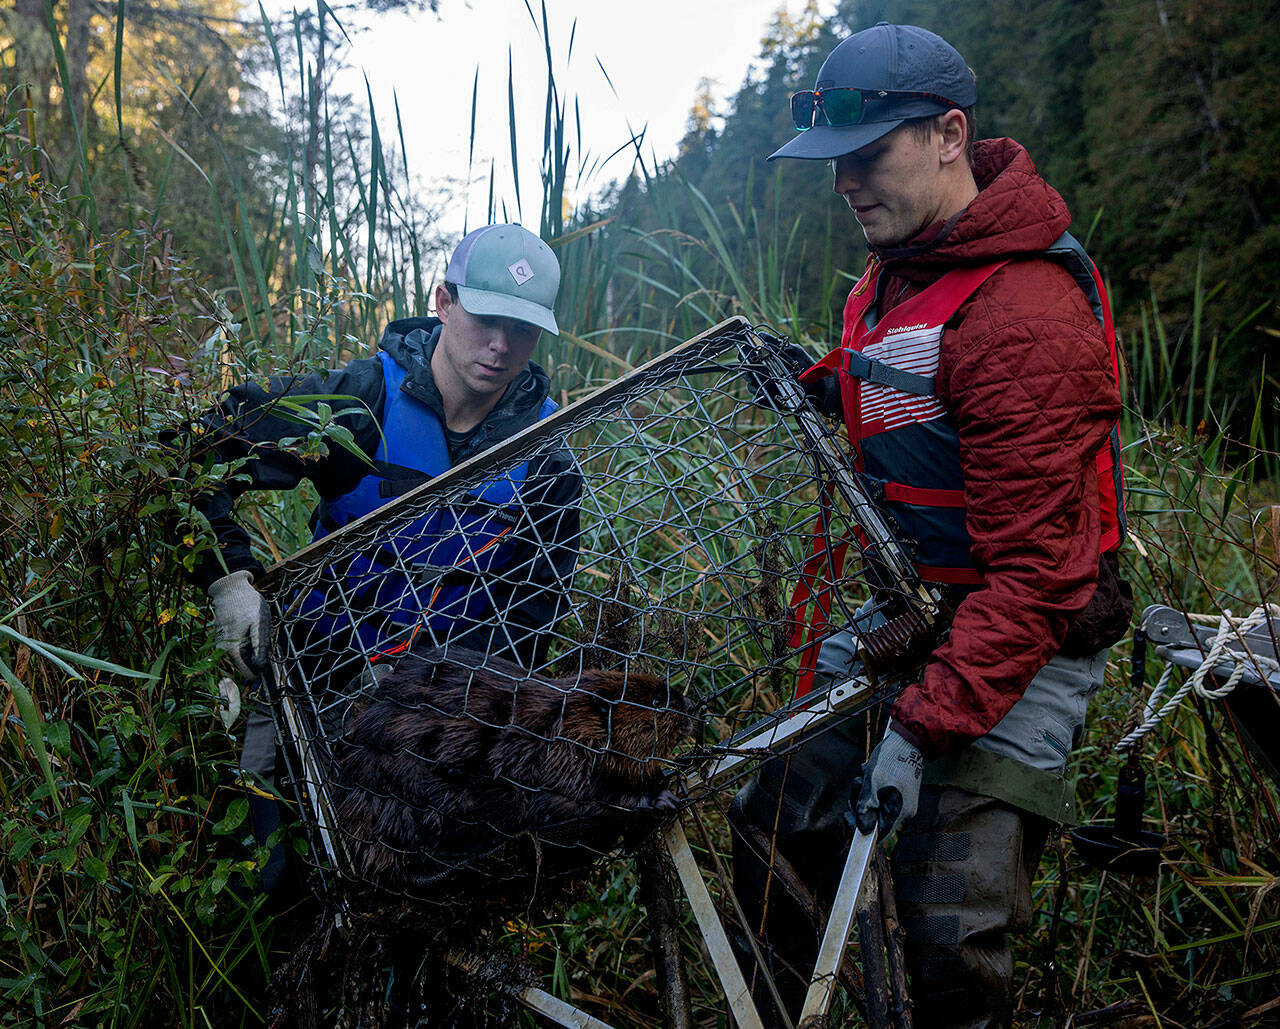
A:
x,y
242,622
890,790
228,702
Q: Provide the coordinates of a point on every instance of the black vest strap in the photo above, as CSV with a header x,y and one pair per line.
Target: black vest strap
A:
x,y
1068,252
859,366
397,479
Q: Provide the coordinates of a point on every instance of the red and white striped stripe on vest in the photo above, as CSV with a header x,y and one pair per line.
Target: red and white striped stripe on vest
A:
x,y
904,443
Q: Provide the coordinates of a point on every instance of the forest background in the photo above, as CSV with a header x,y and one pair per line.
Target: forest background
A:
x,y
188,199
1155,120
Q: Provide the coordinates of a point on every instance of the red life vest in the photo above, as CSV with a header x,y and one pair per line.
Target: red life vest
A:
x,y
905,444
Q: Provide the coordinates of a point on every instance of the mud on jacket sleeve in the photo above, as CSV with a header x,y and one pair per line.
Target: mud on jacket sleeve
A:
x,y
249,423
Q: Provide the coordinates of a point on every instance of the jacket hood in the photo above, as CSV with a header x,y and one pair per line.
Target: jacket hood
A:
x,y
1015,212
410,342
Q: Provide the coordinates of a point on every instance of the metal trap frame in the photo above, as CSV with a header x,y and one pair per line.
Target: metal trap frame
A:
x,y
1241,657
696,520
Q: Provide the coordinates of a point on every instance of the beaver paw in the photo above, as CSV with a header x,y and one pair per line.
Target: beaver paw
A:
x,y
664,801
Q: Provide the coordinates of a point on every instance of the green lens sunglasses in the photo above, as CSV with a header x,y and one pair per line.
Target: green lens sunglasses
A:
x,y
843,105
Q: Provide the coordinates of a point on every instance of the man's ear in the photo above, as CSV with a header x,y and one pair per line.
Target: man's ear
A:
x,y
953,136
443,302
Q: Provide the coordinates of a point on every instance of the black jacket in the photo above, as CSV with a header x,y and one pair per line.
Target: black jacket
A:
x,y
250,423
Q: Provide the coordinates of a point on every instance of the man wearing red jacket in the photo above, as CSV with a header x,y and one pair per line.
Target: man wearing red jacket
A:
x,y
977,378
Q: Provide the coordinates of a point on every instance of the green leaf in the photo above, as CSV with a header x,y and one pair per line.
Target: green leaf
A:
x,y
221,873
511,122
1228,495
130,820
60,656
58,736
23,841
34,726
236,812
95,868
78,824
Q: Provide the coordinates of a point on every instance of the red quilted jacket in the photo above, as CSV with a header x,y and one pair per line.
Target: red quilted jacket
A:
x,y
1027,377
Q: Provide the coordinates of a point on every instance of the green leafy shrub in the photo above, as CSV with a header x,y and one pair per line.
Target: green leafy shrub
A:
x,y
117,877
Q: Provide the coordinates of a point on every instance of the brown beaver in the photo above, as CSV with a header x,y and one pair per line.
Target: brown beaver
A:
x,y
465,770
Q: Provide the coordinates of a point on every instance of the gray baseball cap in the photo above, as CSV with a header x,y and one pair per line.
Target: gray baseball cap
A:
x,y
508,272
888,62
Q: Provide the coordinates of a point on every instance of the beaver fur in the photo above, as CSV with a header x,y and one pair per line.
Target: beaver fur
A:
x,y
464,770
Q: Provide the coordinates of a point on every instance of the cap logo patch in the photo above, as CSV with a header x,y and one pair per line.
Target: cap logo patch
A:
x,y
520,271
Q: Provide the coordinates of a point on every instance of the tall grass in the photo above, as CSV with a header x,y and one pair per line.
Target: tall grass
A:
x,y
113,874
124,870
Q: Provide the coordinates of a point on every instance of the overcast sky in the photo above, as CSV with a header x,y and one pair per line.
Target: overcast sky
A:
x,y
655,54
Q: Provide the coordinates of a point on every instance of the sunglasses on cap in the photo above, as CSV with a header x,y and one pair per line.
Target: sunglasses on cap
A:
x,y
843,105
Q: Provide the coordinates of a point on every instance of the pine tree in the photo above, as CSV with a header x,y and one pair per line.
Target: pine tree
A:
x,y
1183,129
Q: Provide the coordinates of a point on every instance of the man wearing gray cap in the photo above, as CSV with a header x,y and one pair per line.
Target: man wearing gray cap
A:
x,y
977,379
439,391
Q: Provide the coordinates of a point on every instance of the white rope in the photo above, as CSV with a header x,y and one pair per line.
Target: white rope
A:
x,y
1230,630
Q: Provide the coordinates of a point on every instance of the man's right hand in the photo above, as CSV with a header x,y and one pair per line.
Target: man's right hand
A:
x,y
766,391
242,622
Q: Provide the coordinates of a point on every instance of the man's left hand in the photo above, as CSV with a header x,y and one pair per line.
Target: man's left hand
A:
x,y
890,785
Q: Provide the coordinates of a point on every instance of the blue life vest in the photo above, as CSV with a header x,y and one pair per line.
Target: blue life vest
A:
x,y
448,552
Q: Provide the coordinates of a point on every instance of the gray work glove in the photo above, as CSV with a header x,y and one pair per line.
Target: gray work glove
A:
x,y
242,622
890,790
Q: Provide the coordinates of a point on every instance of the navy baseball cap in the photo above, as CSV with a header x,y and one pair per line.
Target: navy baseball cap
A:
x,y
891,65
508,272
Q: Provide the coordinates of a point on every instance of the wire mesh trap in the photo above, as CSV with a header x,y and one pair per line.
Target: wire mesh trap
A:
x,y
526,662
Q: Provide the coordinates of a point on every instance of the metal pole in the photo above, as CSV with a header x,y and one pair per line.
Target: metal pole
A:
x,y
762,744
313,776
704,910
822,985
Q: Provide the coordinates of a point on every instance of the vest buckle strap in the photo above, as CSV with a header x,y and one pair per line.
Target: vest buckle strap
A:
x,y
859,366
